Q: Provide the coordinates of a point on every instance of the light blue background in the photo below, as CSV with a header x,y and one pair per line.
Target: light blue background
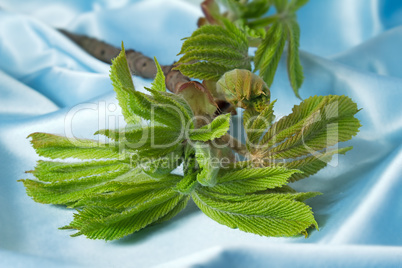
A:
x,y
351,47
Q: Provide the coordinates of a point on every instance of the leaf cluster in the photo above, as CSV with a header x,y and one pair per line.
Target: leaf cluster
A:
x,y
129,183
213,50
222,41
115,192
303,139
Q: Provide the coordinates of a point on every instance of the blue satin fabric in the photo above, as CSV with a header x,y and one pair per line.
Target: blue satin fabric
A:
x,y
48,84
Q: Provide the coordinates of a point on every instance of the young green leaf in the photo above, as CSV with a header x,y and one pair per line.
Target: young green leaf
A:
x,y
52,171
213,50
301,139
122,223
160,108
187,184
123,86
204,70
159,82
155,111
295,69
256,8
207,160
255,124
132,196
53,146
228,58
217,128
68,192
312,164
164,164
179,207
278,193
139,136
178,103
294,5
267,217
280,5
269,52
114,204
212,36
317,123
251,180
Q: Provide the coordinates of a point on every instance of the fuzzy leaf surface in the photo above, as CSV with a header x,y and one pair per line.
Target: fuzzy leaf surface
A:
x,y
206,158
54,146
120,223
159,82
255,124
213,50
269,52
217,128
295,69
301,139
250,179
263,216
317,123
123,86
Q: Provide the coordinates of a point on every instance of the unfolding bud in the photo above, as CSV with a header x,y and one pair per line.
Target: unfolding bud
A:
x,y
211,11
244,89
223,105
198,97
